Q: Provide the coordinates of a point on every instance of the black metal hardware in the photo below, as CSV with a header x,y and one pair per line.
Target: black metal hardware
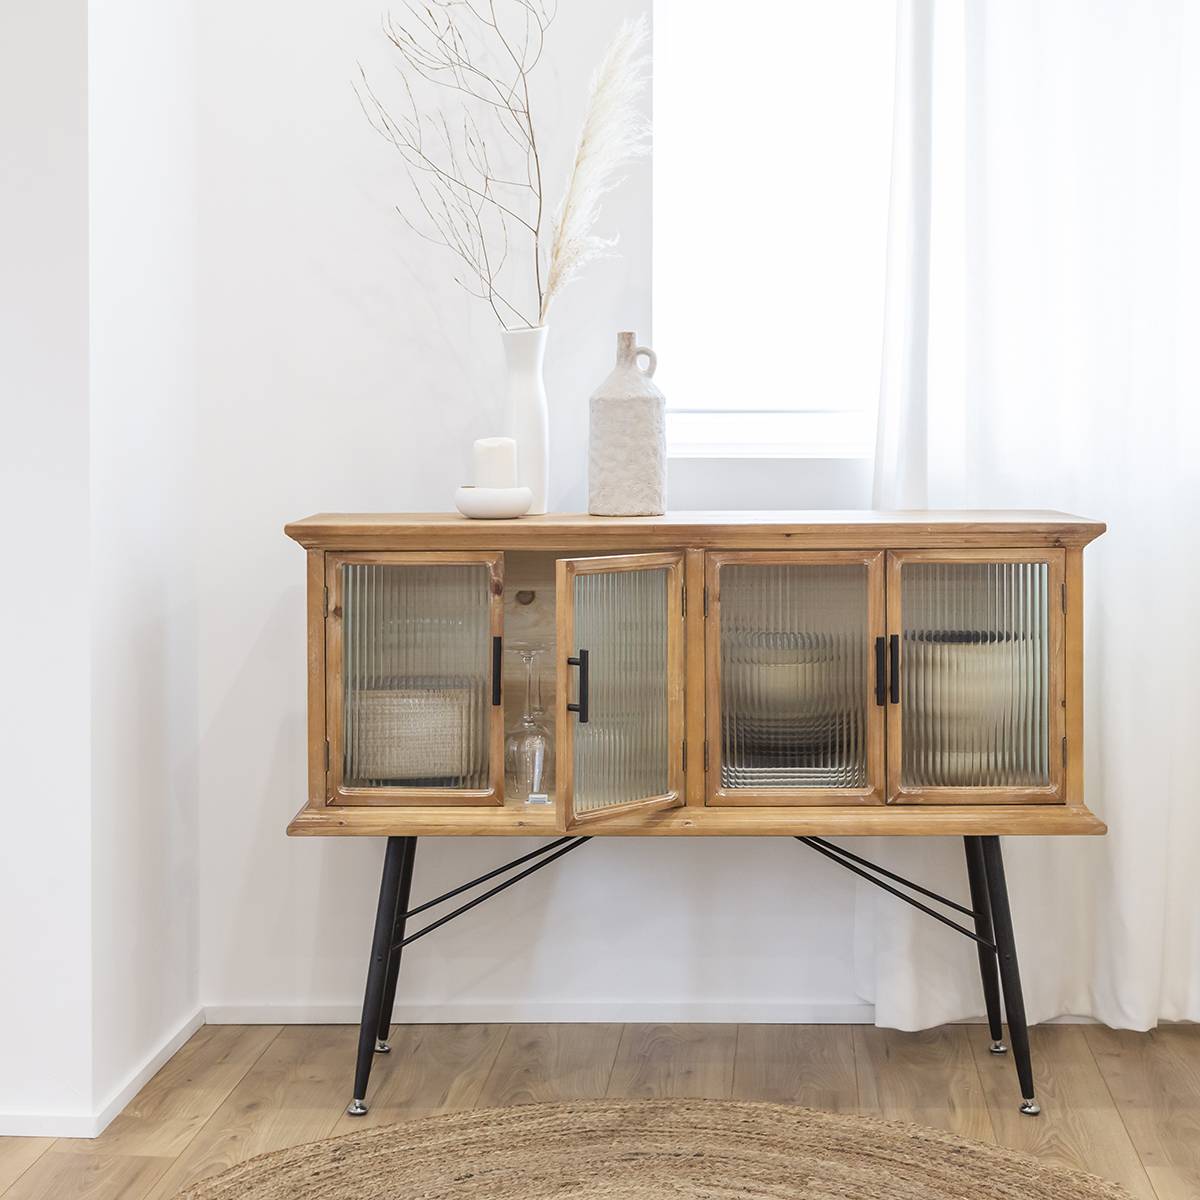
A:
x,y
466,887
497,669
1010,975
977,878
993,935
908,883
377,972
582,707
409,858
835,854
537,866
389,940
881,671
894,672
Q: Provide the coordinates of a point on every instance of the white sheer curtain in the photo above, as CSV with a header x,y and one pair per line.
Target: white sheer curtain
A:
x,y
1043,350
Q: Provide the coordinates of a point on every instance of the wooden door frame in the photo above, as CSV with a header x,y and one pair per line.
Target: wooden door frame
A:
x,y
336,795
1055,687
715,794
566,569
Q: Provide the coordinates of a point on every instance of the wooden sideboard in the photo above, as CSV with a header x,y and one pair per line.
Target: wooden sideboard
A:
x,y
750,673
797,674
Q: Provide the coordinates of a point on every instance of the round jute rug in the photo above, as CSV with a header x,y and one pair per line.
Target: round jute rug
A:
x,y
647,1150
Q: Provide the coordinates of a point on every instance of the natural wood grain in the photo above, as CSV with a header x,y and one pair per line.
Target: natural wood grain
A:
x,y
817,529
59,1176
343,795
315,594
694,678
859,821
568,817
431,1069
1055,660
691,544
17,1155
873,717
1073,678
293,1094
679,1061
168,1112
927,1077
298,1088
810,1065
552,1062
1079,1126
1154,1079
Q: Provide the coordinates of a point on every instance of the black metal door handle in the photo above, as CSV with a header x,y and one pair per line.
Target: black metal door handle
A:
x,y
582,707
881,671
894,648
497,668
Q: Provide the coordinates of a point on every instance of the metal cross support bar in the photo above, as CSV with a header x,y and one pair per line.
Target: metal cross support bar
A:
x,y
841,857
992,917
389,941
466,887
537,866
908,883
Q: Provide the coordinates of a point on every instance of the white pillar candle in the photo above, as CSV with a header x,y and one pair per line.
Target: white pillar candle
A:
x,y
496,462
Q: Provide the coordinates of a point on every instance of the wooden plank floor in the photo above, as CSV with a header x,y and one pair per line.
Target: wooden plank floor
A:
x,y
1125,1106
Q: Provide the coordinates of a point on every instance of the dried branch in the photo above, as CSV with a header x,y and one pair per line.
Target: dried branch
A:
x,y
468,197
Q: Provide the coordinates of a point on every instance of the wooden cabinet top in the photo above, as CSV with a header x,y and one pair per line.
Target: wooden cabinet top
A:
x,y
816,528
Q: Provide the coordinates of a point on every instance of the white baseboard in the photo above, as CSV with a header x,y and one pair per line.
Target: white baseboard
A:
x,y
508,1012
90,1125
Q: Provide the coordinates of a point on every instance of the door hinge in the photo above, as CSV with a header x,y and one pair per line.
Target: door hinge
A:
x,y
327,756
683,602
685,758
1064,597
706,754
1064,752
706,600
325,602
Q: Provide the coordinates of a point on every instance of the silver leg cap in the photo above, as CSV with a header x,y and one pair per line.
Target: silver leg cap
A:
x,y
1030,1108
381,1047
356,1108
998,1048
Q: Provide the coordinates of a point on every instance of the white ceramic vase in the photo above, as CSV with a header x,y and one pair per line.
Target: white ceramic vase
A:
x,y
528,414
627,440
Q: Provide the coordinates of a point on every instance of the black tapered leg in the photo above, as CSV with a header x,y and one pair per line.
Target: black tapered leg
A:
x,y
409,852
977,876
1010,975
377,970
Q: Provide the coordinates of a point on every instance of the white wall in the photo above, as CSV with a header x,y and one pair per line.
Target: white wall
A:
x,y
341,369
98,878
45,858
142,206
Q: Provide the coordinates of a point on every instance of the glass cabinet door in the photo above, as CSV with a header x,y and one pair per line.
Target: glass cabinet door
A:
x,y
976,690
413,664
794,709
620,685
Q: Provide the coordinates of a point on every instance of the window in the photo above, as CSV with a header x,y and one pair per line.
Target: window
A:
x,y
772,156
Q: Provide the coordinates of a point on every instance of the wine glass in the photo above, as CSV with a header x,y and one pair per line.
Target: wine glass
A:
x,y
527,747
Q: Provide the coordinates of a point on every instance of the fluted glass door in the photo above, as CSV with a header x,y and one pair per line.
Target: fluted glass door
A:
x,y
794,712
976,712
413,648
620,685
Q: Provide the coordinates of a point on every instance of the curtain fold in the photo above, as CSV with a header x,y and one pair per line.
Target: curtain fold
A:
x,y
1049,357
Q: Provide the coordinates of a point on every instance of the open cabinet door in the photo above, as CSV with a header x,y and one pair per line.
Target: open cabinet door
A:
x,y
620,686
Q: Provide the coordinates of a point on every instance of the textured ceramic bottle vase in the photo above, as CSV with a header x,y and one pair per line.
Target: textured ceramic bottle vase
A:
x,y
528,415
627,442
